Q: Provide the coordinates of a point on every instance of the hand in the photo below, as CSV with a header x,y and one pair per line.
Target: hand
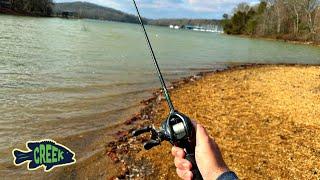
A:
x,y
208,157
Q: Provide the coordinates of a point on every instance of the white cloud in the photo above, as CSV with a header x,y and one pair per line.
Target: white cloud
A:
x,y
215,5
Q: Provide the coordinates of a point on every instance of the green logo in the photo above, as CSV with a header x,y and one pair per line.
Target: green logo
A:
x,y
45,153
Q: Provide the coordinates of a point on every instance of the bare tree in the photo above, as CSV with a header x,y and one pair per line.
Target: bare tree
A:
x,y
310,7
317,22
242,7
296,9
274,14
279,8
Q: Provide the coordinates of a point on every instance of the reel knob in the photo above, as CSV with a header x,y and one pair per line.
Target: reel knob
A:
x,y
142,131
150,144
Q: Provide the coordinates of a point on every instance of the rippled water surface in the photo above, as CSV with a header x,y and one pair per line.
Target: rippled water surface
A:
x,y
60,77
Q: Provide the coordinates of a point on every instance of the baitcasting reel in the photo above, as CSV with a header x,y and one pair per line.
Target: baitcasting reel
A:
x,y
179,131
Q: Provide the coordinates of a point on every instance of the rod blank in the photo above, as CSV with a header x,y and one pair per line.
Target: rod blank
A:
x,y
163,84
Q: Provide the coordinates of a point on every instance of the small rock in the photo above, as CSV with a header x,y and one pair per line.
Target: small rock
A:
x,y
160,98
197,77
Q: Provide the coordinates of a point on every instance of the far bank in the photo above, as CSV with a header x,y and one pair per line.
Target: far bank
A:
x,y
279,38
285,20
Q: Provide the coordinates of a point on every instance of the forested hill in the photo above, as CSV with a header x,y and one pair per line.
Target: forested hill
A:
x,y
93,11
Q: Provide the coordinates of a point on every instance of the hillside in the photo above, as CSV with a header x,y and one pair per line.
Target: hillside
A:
x,y
26,7
93,11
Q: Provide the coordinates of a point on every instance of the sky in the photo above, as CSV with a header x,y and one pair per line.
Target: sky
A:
x,y
209,9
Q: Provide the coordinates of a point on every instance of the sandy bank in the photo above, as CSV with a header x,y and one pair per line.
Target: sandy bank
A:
x,y
265,118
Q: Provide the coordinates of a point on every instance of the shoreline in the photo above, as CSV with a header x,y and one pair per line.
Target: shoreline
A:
x,y
125,149
274,38
119,155
5,11
118,150
109,144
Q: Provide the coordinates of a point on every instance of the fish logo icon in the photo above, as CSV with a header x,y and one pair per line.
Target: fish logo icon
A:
x,y
46,153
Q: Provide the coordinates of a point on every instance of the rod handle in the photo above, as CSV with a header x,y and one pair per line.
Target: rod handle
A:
x,y
195,170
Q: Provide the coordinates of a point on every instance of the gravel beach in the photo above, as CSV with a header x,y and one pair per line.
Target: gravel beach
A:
x,y
266,119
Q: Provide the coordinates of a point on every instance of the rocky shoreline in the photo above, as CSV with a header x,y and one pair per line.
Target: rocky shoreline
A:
x,y
120,150
284,126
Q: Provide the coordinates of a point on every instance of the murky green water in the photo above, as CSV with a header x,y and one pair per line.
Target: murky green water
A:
x,y
60,78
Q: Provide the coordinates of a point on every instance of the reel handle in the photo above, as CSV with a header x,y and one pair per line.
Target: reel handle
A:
x,y
141,131
195,170
150,144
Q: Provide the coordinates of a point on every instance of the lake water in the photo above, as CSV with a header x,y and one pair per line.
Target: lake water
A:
x,y
60,78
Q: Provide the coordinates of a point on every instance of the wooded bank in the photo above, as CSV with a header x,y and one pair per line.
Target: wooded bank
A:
x,y
296,20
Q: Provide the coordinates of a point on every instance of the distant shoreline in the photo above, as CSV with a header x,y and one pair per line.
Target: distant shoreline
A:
x,y
6,11
272,38
153,22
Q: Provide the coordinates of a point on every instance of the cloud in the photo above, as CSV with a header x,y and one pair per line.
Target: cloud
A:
x,y
215,5
174,8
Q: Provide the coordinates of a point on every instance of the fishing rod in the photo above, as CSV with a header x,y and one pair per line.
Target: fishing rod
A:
x,y
177,128
163,84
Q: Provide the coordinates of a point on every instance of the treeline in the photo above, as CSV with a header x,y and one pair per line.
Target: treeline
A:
x,y
183,22
297,20
32,7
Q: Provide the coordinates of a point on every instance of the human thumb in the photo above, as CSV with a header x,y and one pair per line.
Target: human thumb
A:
x,y
202,138
208,155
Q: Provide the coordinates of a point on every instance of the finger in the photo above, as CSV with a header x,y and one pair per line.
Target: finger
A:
x,y
178,152
202,136
185,174
182,164
194,123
